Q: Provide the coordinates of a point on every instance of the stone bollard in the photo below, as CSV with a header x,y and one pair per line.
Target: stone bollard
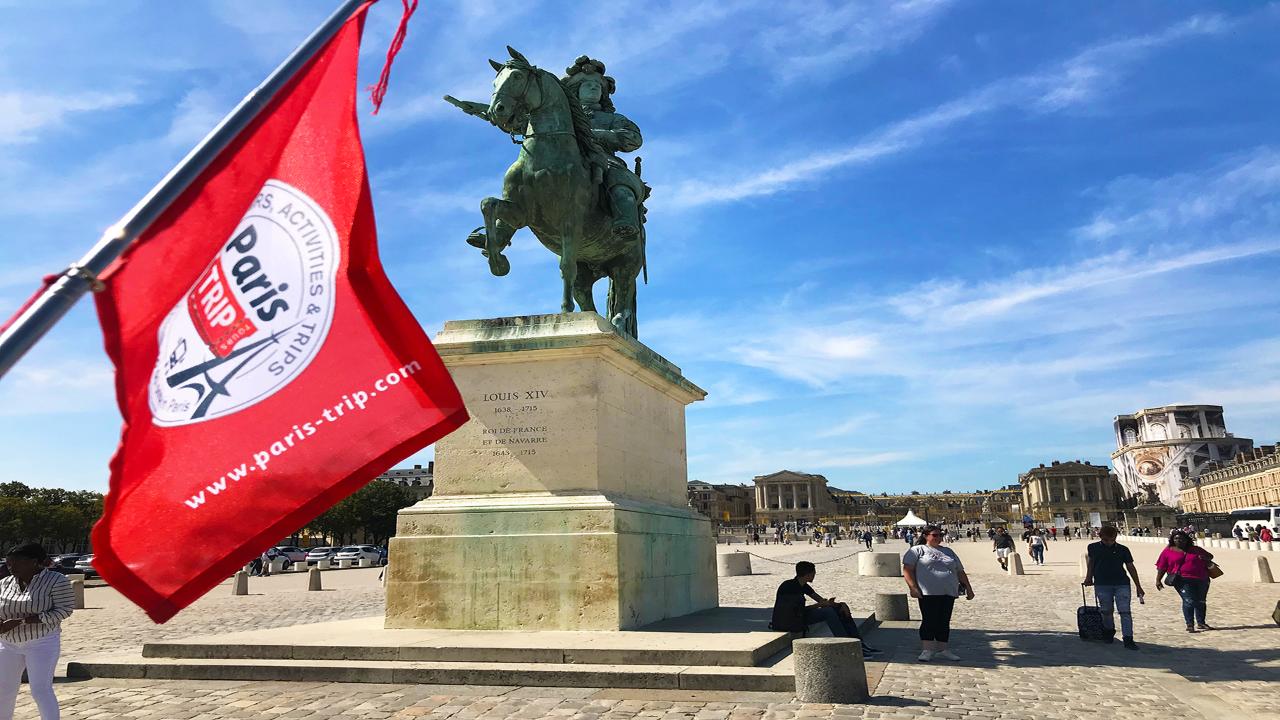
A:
x,y
365,562
734,563
1262,571
313,579
277,565
829,670
1255,545
879,564
240,584
892,606
323,564
1235,544
1269,546
1015,564
77,591
76,576
344,564
879,540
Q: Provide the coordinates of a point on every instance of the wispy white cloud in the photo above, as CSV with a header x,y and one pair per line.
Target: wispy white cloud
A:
x,y
955,303
1072,82
40,386
813,38
25,115
1248,182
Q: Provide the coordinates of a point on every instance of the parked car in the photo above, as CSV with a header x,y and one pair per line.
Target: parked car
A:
x,y
316,554
65,563
84,566
355,553
292,553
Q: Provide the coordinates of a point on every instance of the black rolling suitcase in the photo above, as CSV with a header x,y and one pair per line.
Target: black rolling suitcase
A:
x,y
1091,622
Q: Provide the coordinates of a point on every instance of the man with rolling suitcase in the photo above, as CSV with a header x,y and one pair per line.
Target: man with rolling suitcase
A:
x,y
1110,567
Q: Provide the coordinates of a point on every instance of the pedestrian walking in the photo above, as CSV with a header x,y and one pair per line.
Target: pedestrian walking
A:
x,y
1108,563
1036,545
1186,568
1002,545
935,577
867,538
34,601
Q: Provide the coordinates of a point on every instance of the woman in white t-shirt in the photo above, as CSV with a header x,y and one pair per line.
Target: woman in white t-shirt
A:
x,y
1035,543
935,576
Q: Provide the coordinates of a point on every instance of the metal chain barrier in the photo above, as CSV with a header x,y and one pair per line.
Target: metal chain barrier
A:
x,y
792,562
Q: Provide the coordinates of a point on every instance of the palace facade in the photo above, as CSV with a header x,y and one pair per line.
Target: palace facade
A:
x,y
1251,479
421,480
1166,446
1071,490
725,504
791,496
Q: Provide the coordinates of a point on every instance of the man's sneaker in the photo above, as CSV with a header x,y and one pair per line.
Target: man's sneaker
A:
x,y
947,655
1129,643
925,656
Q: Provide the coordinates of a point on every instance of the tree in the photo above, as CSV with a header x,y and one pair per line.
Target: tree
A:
x,y
370,511
56,518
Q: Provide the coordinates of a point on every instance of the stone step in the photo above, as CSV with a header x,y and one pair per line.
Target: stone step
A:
x,y
724,637
480,653
779,678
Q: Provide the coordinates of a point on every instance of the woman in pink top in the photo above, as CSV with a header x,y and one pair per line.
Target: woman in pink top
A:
x,y
1187,567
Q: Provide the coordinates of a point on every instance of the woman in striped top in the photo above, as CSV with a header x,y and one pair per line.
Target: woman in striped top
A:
x,y
33,603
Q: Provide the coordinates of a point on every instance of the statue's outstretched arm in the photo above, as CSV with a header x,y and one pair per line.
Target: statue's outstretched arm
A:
x,y
623,136
480,110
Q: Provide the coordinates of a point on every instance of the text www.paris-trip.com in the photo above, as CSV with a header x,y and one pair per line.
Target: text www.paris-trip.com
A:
x,y
350,404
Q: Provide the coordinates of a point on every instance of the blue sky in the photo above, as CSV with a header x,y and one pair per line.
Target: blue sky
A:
x,y
908,245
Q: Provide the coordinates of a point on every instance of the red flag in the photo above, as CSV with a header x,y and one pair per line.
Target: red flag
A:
x,y
265,366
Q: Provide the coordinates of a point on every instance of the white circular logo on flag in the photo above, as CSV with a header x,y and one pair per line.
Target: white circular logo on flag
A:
x,y
255,317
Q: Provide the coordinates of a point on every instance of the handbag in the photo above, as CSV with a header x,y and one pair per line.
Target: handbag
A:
x,y
1215,572
1175,579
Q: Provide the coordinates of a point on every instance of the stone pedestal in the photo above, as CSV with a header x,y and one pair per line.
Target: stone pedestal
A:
x,y
892,606
829,670
879,564
732,564
562,503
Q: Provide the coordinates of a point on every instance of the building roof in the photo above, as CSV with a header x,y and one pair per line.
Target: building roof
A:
x,y
791,472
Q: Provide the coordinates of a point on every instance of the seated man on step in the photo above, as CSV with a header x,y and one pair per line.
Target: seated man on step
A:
x,y
790,614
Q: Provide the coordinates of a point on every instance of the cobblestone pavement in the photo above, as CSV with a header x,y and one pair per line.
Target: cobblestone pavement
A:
x,y
1022,659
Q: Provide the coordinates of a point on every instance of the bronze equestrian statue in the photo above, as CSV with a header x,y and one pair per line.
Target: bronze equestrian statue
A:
x,y
566,184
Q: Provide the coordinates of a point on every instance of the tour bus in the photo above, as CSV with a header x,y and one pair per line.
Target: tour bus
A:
x,y
1246,518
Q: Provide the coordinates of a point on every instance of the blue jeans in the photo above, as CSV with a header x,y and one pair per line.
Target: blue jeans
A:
x,y
1037,553
1120,596
839,624
1194,595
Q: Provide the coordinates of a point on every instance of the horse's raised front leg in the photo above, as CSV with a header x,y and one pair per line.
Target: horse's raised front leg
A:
x,y
502,218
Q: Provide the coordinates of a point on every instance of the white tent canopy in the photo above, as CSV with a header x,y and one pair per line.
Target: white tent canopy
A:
x,y
911,520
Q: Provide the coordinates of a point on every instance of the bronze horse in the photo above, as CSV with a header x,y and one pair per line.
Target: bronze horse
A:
x,y
555,189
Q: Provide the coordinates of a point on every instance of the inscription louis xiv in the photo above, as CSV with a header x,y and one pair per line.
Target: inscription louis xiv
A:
x,y
513,439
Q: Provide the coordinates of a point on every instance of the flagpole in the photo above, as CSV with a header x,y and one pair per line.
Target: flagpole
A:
x,y
58,298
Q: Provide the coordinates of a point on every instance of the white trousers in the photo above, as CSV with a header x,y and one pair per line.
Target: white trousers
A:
x,y
39,657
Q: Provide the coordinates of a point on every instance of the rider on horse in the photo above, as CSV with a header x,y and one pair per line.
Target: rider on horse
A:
x,y
615,133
